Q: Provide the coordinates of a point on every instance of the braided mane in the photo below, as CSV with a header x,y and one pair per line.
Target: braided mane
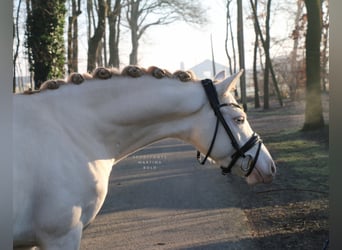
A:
x,y
106,73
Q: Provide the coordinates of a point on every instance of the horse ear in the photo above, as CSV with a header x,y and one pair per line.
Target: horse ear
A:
x,y
220,76
228,84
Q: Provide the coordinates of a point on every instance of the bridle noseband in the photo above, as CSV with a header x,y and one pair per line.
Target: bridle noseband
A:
x,y
211,93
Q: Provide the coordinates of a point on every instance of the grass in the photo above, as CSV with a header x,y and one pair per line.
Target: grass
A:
x,y
305,155
295,213
292,212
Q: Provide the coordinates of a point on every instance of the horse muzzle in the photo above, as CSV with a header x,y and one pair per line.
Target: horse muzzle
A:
x,y
259,175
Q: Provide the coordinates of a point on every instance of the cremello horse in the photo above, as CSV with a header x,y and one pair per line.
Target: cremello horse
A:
x,y
67,140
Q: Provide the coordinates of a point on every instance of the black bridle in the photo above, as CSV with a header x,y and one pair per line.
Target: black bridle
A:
x,y
211,93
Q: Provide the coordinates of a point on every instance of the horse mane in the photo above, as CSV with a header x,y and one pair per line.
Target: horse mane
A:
x,y
106,73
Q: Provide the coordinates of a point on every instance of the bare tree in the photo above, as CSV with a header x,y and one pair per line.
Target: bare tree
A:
x,y
16,35
255,54
143,14
325,44
313,109
296,35
266,48
73,36
267,56
229,31
114,18
240,39
95,40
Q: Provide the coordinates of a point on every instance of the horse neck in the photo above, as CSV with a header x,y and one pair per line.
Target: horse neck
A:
x,y
126,114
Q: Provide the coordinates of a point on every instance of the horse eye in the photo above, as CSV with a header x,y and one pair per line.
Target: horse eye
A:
x,y
239,119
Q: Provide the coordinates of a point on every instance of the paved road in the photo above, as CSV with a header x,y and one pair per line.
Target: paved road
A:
x,y
160,198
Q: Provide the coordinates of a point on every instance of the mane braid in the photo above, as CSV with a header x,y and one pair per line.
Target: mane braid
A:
x,y
133,71
158,72
107,73
52,84
76,78
184,76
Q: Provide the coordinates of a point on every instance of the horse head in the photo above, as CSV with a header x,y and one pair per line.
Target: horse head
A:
x,y
231,143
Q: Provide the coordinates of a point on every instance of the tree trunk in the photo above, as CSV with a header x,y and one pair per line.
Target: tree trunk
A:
x,y
133,21
89,19
229,30
313,110
133,56
114,17
267,57
95,40
76,12
69,44
255,70
294,64
325,53
212,56
99,53
16,34
241,47
228,26
275,83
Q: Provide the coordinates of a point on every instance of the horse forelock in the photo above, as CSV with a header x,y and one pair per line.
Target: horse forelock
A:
x,y
107,73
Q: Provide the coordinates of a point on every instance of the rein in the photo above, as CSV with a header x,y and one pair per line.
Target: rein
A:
x,y
211,93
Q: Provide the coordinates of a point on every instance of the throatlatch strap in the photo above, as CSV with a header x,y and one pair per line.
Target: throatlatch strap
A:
x,y
202,162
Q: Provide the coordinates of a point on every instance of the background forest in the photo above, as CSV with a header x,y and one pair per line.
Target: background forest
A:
x,y
54,38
